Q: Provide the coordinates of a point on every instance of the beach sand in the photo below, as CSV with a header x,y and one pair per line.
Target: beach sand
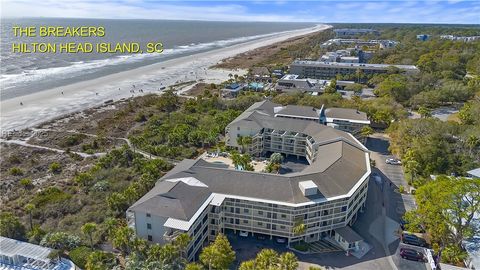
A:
x,y
49,104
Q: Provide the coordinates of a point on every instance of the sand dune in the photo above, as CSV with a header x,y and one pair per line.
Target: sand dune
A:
x,y
46,105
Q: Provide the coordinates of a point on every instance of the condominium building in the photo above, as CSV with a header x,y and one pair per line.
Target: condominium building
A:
x,y
327,70
203,198
292,83
349,120
381,43
351,32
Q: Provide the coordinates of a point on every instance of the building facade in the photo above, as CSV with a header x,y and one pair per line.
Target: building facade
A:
x,y
327,70
203,199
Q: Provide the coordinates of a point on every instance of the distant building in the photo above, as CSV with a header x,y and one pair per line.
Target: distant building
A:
x,y
260,73
342,56
327,70
20,255
460,38
382,44
232,89
423,37
292,83
343,33
278,73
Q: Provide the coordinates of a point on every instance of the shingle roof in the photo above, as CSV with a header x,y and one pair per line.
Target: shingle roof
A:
x,y
299,111
345,113
172,199
336,170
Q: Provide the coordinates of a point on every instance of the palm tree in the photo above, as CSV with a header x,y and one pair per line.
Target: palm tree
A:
x,y
288,261
29,207
266,259
472,142
244,141
88,229
181,242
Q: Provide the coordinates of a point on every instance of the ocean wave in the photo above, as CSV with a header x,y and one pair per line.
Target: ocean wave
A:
x,y
79,67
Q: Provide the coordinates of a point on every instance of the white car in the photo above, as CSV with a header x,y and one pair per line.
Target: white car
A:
x,y
393,161
281,240
243,234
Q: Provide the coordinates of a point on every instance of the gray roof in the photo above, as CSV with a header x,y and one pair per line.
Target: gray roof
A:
x,y
299,111
11,247
345,113
172,199
474,172
263,114
336,170
348,234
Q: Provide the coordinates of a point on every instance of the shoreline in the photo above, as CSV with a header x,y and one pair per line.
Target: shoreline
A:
x,y
56,102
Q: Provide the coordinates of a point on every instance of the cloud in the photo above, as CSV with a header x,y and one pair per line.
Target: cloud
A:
x,y
274,10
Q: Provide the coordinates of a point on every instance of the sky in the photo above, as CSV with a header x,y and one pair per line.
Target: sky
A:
x,y
451,11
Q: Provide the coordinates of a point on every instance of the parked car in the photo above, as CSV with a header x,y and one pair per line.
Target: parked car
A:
x,y
393,161
412,239
243,234
411,254
261,237
281,240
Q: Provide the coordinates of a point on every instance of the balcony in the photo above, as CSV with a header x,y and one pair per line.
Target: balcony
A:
x,y
170,234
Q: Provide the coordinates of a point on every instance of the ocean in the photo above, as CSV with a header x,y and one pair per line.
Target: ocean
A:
x,y
25,73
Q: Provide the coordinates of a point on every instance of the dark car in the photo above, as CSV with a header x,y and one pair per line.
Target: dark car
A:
x,y
412,239
411,254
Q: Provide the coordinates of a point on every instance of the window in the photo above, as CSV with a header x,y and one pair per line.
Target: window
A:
x,y
260,213
344,208
238,128
150,238
245,221
148,215
245,210
149,226
260,224
284,216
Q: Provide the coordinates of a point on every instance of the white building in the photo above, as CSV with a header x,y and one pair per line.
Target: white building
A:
x,y
20,255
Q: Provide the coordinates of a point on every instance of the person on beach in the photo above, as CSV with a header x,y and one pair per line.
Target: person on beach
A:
x,y
21,103
62,92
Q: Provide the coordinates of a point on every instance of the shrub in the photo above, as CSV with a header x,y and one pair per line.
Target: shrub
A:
x,y
55,167
16,171
26,182
401,189
50,195
79,256
72,140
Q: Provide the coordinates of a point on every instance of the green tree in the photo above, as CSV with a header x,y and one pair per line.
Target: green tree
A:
x,y
11,227
89,229
366,131
219,254
332,87
424,112
100,260
446,208
288,261
123,239
193,266
61,241
266,259
247,265
29,207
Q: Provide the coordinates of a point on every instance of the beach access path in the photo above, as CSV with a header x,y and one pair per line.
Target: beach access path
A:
x,y
30,110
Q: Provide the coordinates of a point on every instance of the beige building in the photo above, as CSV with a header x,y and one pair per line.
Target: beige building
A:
x,y
204,199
